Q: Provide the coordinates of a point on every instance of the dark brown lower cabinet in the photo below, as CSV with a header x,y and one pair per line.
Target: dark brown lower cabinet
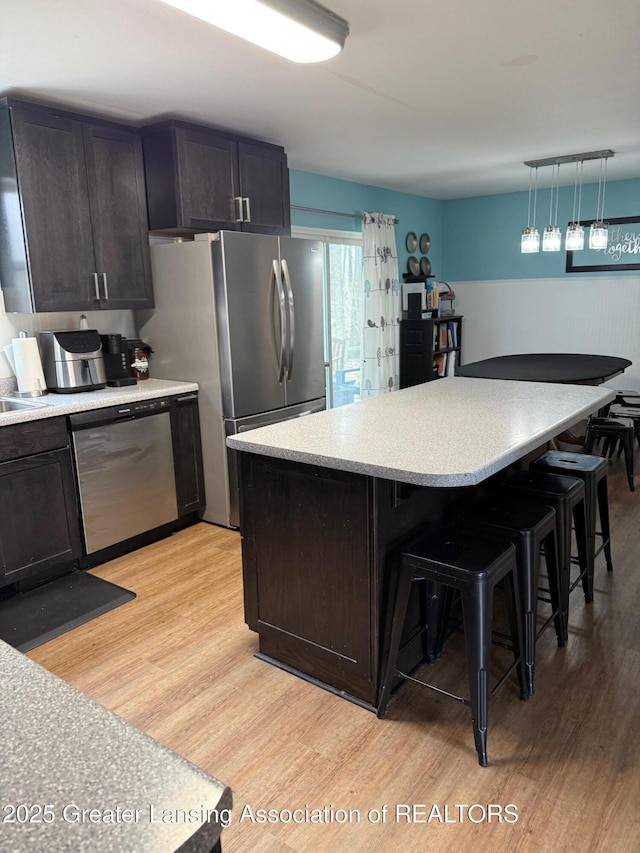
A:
x,y
39,527
187,454
320,548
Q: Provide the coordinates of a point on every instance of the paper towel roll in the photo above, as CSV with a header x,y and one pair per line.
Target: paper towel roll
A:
x,y
28,367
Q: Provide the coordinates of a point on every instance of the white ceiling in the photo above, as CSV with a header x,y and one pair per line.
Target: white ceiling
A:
x,y
441,98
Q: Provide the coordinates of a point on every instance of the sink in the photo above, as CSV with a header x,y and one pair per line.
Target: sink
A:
x,y
10,404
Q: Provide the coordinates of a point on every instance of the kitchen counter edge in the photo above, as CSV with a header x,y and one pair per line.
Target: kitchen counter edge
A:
x,y
67,404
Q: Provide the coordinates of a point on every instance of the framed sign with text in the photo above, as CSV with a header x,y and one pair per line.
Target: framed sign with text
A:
x,y
622,252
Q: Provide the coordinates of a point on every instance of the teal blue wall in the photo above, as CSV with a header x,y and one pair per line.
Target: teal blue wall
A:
x,y
472,239
414,212
482,235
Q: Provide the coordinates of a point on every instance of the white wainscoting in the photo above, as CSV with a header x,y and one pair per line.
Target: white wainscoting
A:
x,y
574,314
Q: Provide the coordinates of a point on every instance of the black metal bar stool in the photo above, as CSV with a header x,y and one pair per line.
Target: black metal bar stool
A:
x,y
473,565
528,526
630,411
592,470
612,430
567,496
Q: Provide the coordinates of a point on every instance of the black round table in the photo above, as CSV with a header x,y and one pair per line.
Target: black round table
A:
x,y
562,367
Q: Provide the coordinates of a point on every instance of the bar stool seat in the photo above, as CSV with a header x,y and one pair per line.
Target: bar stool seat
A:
x,y
612,430
473,565
567,496
528,526
592,470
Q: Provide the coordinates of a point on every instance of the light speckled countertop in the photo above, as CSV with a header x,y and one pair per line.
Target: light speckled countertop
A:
x,y
51,405
61,749
451,432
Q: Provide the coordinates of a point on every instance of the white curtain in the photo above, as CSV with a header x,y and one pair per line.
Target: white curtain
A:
x,y
382,307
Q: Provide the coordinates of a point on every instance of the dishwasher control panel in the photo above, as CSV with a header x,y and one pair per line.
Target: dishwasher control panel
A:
x,y
145,407
126,411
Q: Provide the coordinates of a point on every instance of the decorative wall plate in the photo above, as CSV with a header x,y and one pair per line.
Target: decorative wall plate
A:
x,y
413,266
425,265
411,242
425,243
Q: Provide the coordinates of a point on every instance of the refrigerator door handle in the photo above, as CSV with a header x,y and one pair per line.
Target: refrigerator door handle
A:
x,y
292,317
275,274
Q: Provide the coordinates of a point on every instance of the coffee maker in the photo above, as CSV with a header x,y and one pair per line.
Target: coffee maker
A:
x,y
115,352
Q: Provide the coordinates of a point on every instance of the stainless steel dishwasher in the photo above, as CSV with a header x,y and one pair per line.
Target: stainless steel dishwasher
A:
x,y
125,471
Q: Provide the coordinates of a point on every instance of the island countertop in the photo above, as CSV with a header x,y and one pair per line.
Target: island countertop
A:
x,y
451,432
63,753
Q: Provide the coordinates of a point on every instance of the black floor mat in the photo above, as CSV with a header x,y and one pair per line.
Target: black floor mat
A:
x,y
32,618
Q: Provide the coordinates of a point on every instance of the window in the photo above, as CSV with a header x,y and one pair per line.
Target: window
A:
x,y
342,311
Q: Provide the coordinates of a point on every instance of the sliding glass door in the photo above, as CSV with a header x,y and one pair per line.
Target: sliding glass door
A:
x,y
343,311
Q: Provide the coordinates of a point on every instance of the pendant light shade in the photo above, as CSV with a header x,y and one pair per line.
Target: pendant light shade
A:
x,y
299,30
530,241
599,235
551,239
575,237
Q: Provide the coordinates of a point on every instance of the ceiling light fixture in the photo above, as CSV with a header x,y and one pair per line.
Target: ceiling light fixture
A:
x,y
599,231
299,30
530,240
552,237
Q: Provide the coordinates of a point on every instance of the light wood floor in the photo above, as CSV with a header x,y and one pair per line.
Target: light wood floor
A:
x,y
178,663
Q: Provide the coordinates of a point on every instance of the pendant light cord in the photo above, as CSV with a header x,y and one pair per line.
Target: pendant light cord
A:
x,y
599,190
604,186
580,191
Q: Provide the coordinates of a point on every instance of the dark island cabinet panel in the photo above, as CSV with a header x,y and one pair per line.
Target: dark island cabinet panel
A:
x,y
187,454
73,222
39,525
200,179
300,515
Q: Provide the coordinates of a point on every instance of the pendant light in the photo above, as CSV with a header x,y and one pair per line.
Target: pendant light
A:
x,y
299,30
575,232
599,230
530,240
552,235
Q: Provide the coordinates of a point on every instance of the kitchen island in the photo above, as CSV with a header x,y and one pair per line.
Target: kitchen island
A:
x,y
328,500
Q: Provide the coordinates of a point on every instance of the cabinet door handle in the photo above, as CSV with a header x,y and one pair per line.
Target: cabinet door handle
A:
x,y
96,286
247,207
105,286
238,200
186,399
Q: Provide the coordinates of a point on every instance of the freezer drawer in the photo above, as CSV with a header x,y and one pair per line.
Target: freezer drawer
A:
x,y
265,419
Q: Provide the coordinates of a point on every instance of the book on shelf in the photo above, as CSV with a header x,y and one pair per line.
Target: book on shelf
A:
x,y
440,361
442,328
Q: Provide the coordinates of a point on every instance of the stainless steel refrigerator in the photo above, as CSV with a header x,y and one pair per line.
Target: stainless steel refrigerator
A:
x,y
241,315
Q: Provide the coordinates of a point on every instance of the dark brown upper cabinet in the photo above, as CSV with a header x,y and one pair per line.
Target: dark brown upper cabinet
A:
x,y
200,179
73,218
